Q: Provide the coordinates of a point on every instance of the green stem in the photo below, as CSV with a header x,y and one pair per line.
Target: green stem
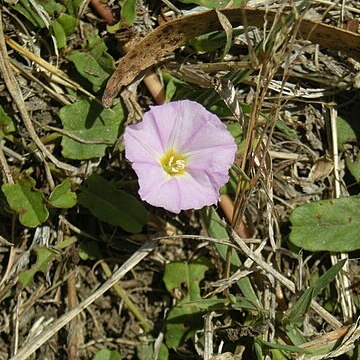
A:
x,y
45,140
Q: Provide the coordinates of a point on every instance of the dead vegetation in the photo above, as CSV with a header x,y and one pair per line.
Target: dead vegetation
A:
x,y
101,287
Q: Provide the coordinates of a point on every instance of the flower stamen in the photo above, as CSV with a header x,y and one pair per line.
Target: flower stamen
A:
x,y
173,163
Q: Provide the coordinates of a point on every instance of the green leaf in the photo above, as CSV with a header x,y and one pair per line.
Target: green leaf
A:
x,y
73,6
178,272
288,348
89,68
105,354
44,256
68,241
213,41
6,124
26,201
208,42
62,27
231,186
163,352
113,206
327,225
62,196
325,279
239,303
325,347
112,29
242,303
209,304
215,4
181,324
89,121
94,64
68,23
278,355
27,10
348,129
170,90
145,351
51,6
89,250
184,319
295,334
354,167
236,131
258,351
345,132
98,50
216,230
128,12
172,84
297,312
59,34
288,131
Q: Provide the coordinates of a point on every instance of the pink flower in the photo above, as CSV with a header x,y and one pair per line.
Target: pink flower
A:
x,y
181,154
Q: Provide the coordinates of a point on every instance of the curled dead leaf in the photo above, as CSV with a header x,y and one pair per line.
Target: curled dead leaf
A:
x,y
322,168
166,38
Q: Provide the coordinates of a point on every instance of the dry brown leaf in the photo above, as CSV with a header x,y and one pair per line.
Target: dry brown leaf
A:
x,y
321,169
166,38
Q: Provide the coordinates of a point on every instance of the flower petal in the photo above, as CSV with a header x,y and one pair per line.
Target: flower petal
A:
x,y
158,188
150,135
180,193
151,176
176,193
197,128
195,192
164,118
210,179
212,160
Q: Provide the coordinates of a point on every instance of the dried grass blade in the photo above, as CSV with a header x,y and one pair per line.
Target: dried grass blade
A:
x,y
46,334
15,92
166,38
56,73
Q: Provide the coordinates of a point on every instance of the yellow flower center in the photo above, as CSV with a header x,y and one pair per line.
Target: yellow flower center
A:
x,y
173,163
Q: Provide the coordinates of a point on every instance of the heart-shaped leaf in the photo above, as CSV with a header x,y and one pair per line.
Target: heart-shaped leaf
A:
x,y
113,206
90,122
184,319
327,225
44,257
26,201
62,196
